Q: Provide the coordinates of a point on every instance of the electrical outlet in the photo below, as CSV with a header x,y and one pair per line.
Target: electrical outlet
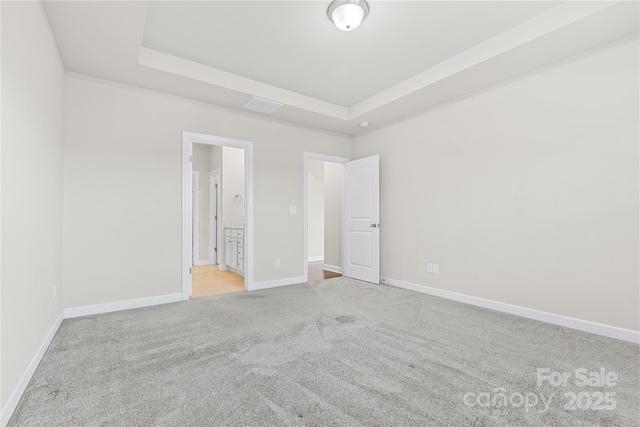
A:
x,y
429,267
293,210
277,262
436,268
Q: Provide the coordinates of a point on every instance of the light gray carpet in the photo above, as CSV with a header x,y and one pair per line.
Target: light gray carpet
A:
x,y
333,353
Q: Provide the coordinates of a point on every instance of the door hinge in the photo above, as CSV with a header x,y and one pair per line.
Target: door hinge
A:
x,y
189,270
216,185
215,217
215,249
190,158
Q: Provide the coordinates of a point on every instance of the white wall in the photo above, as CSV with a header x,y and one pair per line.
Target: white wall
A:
x,y
201,163
215,156
315,194
333,176
233,185
525,193
122,200
31,226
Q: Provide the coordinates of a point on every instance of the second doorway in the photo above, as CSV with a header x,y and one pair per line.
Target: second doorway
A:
x,y
324,217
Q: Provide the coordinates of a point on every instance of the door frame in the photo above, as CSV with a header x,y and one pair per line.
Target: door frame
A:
x,y
214,224
188,138
195,219
307,155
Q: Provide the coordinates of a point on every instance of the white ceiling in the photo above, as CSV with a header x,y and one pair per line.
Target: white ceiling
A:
x,y
294,46
406,57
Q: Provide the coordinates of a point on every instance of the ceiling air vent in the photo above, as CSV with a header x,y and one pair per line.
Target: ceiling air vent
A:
x,y
261,105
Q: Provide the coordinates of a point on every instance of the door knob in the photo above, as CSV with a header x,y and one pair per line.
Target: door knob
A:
x,y
375,225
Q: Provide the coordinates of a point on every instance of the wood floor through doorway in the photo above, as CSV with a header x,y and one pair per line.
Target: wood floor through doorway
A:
x,y
210,280
316,272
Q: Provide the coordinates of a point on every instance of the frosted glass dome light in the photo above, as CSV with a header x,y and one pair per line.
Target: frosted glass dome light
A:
x,y
347,15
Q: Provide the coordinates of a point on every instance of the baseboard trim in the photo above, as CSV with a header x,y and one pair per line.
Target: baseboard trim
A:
x,y
276,283
235,270
332,268
203,262
16,395
68,313
543,316
108,307
223,267
315,258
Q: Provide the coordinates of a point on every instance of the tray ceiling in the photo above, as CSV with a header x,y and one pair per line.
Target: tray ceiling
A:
x,y
406,57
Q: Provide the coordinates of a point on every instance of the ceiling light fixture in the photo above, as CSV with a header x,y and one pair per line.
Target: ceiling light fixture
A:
x,y
347,15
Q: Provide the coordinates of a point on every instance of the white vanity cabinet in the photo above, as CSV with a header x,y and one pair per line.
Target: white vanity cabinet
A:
x,y
234,249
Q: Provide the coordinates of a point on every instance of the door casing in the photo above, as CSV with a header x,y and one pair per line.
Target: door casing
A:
x,y
195,217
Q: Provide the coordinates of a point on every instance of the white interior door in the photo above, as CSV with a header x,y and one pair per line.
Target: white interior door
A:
x,y
361,220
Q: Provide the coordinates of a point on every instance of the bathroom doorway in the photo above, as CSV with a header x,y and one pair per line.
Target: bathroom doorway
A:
x,y
216,221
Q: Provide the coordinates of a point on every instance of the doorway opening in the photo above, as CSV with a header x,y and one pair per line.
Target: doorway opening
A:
x,y
217,215
358,254
323,216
